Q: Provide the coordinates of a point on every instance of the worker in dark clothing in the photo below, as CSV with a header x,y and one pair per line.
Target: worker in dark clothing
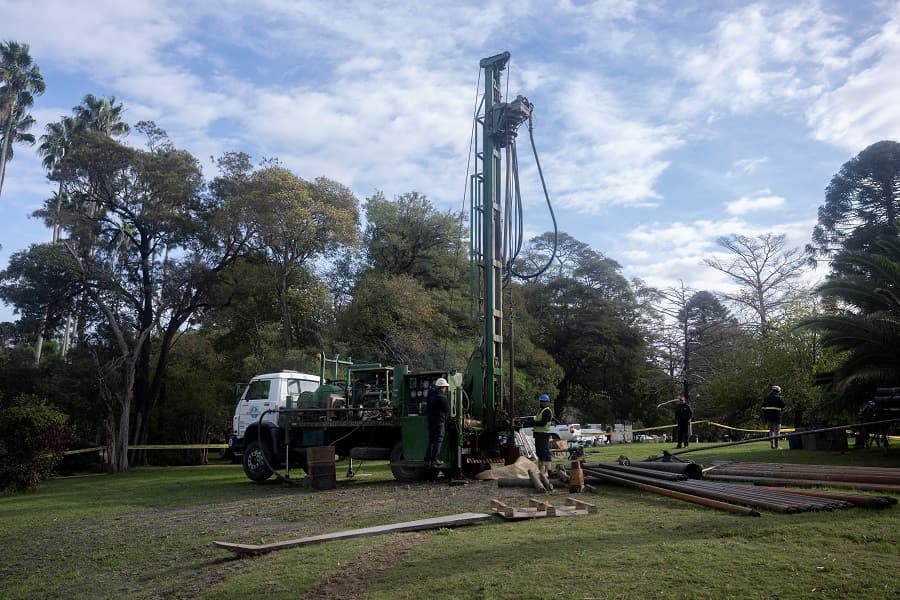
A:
x,y
542,434
683,414
437,408
773,407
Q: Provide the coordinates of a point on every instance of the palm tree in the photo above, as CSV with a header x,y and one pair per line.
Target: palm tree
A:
x,y
868,330
93,114
20,82
101,114
18,132
55,144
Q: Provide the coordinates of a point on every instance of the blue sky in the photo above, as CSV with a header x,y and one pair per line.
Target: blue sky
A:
x,y
660,125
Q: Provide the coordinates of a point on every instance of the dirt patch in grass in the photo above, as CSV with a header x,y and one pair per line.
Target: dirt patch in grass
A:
x,y
167,553
354,579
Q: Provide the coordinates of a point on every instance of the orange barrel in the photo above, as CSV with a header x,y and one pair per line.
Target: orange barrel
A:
x,y
320,467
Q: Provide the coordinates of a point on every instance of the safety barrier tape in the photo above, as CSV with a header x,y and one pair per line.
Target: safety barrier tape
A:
x,y
673,425
153,447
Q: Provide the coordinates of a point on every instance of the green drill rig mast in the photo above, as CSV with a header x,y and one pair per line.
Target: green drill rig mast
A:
x,y
499,122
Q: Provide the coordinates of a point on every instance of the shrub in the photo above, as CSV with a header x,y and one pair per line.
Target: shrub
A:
x,y
33,435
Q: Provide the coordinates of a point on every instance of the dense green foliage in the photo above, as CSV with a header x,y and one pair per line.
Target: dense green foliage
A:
x,y
160,288
33,435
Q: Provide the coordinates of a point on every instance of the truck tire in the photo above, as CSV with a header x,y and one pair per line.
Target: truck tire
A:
x,y
255,467
401,472
370,453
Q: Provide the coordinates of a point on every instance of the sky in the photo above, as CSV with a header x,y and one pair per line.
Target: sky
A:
x,y
661,126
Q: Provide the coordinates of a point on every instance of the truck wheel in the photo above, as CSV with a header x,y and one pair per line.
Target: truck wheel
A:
x,y
255,467
401,472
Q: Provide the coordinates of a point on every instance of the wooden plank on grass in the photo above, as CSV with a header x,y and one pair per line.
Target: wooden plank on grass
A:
x,y
434,523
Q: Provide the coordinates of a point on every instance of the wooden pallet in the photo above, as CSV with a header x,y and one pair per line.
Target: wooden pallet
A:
x,y
539,508
434,523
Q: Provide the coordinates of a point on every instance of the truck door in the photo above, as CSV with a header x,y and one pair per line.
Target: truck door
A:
x,y
260,396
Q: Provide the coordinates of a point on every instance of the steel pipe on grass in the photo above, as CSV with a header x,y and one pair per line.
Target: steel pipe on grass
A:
x,y
655,473
732,494
889,476
710,503
788,482
690,470
864,500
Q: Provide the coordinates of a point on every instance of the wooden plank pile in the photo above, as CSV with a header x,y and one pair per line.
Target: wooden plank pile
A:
x,y
538,508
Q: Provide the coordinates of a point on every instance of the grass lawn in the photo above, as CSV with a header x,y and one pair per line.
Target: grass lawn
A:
x,y
147,534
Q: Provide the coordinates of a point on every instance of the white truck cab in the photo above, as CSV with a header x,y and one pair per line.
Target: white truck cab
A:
x,y
267,392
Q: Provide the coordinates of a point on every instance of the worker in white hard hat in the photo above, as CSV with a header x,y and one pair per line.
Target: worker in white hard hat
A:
x,y
436,409
773,407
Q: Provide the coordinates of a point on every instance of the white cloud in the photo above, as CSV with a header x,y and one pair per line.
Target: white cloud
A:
x,y
764,200
864,109
747,166
605,154
760,55
663,254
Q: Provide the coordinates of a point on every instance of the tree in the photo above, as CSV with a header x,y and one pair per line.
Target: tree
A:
x,y
710,332
145,245
296,223
18,132
93,115
389,320
867,329
586,319
101,114
55,144
407,235
20,82
861,202
764,271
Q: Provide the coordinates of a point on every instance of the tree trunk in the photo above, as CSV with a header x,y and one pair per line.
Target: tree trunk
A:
x,y
4,147
117,427
285,314
39,342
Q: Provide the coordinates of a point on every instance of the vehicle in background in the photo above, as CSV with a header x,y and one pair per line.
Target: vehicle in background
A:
x,y
558,431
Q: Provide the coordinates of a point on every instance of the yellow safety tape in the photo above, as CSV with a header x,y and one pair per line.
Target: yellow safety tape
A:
x,y
783,429
673,425
154,447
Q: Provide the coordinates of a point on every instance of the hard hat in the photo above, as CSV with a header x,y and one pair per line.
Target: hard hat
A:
x,y
777,388
441,382
544,398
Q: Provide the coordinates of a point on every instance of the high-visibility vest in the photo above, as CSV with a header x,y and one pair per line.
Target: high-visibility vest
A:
x,y
538,417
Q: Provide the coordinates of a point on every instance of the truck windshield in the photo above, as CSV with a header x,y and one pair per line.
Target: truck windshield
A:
x,y
258,390
298,386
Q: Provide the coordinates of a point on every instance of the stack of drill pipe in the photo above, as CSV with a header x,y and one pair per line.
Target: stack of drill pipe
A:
x,y
864,500
634,470
627,481
757,496
688,469
771,474
742,495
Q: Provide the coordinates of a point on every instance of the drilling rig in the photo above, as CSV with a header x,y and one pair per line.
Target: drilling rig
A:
x,y
372,411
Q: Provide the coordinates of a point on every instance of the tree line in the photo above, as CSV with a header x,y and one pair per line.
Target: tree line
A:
x,y
159,288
